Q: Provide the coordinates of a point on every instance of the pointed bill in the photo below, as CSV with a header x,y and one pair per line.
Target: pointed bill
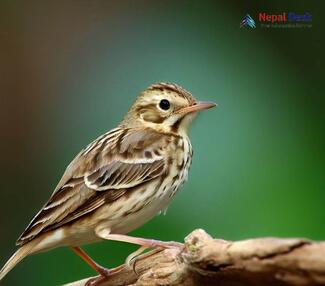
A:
x,y
198,106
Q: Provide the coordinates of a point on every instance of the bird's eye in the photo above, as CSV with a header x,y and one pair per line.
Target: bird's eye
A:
x,y
164,104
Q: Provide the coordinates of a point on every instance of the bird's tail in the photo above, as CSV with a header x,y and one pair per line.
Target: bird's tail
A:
x,y
19,255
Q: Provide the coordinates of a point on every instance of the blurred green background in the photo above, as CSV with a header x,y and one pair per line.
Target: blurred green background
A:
x,y
71,69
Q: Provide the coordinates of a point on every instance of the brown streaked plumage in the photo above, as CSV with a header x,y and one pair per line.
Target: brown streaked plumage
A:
x,y
119,181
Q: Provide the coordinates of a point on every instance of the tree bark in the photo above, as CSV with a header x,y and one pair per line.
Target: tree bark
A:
x,y
208,261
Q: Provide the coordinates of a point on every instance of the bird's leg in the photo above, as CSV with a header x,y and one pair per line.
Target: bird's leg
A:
x,y
148,243
144,243
102,271
93,264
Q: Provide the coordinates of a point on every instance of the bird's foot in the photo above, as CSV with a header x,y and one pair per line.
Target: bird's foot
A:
x,y
96,281
132,259
145,244
105,272
104,275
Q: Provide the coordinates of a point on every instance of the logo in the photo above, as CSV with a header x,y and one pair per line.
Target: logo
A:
x,y
273,18
248,21
285,20
278,20
284,17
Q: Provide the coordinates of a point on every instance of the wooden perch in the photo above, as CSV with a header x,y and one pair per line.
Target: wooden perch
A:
x,y
208,261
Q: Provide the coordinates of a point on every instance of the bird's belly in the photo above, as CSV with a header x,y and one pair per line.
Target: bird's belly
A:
x,y
140,207
135,210
136,219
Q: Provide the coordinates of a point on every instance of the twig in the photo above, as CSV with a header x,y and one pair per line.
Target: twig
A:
x,y
208,261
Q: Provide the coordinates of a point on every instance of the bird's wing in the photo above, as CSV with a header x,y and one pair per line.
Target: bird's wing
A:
x,y
101,173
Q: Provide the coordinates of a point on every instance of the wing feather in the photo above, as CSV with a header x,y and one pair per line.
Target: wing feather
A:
x,y
99,176
119,175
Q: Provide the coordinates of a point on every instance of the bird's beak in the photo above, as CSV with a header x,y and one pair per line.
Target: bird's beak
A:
x,y
197,106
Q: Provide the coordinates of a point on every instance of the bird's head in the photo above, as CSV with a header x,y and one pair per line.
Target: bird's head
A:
x,y
165,107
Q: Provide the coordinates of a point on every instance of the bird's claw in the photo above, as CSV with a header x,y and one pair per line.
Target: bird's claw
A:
x,y
131,260
96,280
104,275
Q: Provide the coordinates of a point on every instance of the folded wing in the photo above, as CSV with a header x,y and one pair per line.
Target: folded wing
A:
x,y
100,174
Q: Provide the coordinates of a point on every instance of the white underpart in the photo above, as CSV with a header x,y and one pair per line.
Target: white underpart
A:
x,y
186,123
51,240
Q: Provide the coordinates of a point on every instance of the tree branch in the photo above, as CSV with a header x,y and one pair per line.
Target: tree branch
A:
x,y
208,261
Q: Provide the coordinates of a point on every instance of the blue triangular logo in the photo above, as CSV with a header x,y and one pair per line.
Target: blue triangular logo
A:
x,y
248,21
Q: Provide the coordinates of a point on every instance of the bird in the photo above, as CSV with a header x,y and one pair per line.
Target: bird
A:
x,y
119,181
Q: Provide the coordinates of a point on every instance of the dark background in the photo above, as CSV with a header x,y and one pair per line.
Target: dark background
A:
x,y
71,69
